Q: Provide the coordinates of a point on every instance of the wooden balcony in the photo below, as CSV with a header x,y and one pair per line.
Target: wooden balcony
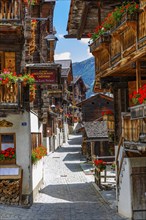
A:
x,y
102,42
120,44
10,10
132,129
13,98
128,20
134,136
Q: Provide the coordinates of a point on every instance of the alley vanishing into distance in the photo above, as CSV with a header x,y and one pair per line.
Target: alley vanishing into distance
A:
x,y
67,193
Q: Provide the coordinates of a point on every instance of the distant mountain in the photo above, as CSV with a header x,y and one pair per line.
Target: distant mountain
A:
x,y
86,69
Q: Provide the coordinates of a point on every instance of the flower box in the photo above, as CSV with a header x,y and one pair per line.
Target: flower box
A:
x,y
138,111
126,20
7,162
98,43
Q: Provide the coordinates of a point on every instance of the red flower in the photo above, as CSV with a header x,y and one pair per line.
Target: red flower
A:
x,y
107,112
138,97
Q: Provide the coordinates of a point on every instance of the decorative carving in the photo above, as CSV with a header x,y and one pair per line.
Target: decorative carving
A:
x,y
5,123
10,61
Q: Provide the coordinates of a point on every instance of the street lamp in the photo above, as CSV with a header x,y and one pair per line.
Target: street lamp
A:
x,y
51,41
51,38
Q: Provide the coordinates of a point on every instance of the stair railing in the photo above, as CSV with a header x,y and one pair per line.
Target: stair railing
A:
x,y
119,166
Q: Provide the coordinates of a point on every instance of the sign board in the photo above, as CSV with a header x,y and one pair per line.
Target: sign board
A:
x,y
45,76
24,123
10,172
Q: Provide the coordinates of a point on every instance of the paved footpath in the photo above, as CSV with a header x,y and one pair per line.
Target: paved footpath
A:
x,y
67,194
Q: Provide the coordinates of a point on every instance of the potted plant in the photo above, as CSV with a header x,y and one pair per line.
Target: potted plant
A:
x,y
38,153
100,165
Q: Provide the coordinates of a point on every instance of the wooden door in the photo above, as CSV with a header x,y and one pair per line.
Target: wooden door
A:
x,y
139,193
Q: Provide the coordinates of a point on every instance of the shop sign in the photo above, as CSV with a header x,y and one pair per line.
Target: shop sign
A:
x,y
45,76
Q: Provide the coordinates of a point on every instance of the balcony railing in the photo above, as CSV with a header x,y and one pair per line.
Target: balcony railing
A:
x,y
125,38
127,19
100,42
14,96
133,130
10,10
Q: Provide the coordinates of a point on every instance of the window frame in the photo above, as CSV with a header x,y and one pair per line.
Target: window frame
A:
x,y
14,137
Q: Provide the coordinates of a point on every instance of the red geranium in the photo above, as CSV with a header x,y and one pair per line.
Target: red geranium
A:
x,y
9,154
100,164
107,112
138,97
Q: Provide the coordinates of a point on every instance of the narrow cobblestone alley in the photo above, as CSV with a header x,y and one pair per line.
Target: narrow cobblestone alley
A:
x,y
67,193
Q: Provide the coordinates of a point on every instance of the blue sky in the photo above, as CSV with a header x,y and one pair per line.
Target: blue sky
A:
x,y
76,50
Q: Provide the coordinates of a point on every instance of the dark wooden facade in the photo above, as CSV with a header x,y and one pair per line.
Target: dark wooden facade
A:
x,y
93,107
79,89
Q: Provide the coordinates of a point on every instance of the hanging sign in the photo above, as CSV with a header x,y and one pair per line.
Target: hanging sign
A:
x,y
45,76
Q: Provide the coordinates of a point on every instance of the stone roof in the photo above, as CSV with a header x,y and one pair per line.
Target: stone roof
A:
x,y
66,66
95,96
96,129
64,63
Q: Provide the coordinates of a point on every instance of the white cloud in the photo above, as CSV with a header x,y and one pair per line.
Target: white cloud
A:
x,y
60,36
85,40
62,56
88,52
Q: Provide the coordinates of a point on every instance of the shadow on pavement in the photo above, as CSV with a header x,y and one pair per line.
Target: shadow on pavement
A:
x,y
72,157
73,167
68,149
71,192
77,140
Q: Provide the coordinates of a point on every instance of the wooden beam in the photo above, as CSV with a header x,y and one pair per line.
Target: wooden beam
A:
x,y
99,13
138,75
83,20
122,64
68,36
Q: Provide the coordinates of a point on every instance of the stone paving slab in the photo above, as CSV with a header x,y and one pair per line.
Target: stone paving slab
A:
x,y
67,194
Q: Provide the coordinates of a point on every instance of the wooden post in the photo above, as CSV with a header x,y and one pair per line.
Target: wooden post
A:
x,y
92,149
105,175
138,75
99,13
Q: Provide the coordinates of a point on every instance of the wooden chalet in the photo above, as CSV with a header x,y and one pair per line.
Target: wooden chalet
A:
x,y
120,65
29,116
66,80
98,129
79,89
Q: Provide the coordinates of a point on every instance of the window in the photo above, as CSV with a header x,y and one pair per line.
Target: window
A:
x,y
36,140
7,61
7,140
